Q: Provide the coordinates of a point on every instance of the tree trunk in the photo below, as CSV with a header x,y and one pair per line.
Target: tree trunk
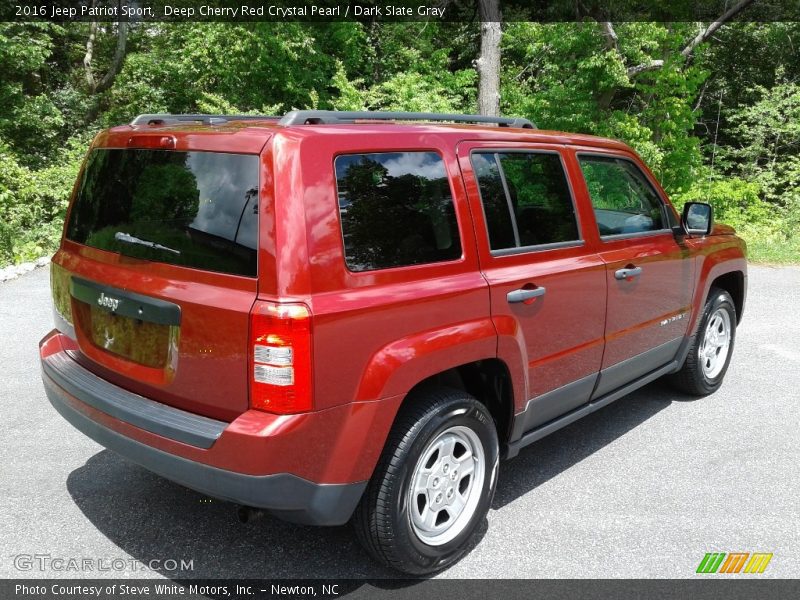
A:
x,y
488,64
96,87
87,58
612,43
701,37
119,57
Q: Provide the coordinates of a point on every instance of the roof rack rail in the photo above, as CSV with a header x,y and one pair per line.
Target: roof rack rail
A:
x,y
313,117
163,119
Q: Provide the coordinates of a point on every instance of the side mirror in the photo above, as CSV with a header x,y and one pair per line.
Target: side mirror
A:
x,y
698,218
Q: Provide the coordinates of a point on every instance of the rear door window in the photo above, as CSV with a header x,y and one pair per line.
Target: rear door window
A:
x,y
193,209
396,210
526,199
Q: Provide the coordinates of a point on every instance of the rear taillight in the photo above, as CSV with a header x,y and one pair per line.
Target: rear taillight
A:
x,y
280,357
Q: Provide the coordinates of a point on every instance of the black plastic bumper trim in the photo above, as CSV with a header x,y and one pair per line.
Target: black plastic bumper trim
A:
x,y
513,448
284,495
152,416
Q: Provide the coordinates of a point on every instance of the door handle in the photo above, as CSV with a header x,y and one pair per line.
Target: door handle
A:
x,y
628,273
525,295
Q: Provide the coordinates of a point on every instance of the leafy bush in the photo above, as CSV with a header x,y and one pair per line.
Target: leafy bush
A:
x,y
727,106
33,203
735,201
769,230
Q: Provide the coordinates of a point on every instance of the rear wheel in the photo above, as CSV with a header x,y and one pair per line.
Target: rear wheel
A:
x,y
433,484
711,348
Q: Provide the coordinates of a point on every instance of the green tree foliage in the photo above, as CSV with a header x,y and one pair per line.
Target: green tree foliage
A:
x,y
30,121
720,124
566,77
251,66
767,133
33,202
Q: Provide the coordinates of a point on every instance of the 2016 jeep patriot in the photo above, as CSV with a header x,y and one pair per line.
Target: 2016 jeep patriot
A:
x,y
337,316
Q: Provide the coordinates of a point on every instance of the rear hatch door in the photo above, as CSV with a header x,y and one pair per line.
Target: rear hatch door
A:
x,y
158,272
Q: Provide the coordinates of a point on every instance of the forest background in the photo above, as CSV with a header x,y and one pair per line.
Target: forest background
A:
x,y
714,110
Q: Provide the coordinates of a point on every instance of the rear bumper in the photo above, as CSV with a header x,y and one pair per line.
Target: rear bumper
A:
x,y
197,452
283,494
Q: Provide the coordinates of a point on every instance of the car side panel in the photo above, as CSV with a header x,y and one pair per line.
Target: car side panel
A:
x,y
557,339
647,314
378,333
715,255
399,366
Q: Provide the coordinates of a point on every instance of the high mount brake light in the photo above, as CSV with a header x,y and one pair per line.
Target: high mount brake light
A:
x,y
154,142
280,358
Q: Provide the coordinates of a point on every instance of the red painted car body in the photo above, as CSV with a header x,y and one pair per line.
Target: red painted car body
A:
x,y
375,334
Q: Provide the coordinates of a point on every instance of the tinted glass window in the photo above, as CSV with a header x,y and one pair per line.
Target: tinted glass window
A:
x,y
195,209
534,207
623,199
496,206
396,210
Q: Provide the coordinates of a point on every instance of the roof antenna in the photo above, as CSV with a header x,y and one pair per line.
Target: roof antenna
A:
x,y
716,131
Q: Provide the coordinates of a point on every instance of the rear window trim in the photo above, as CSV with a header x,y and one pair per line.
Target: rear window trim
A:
x,y
400,268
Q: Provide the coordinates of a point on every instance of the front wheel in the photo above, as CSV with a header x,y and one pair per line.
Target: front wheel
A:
x,y
711,347
433,484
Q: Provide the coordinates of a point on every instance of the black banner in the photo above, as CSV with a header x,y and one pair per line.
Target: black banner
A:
x,y
394,10
702,588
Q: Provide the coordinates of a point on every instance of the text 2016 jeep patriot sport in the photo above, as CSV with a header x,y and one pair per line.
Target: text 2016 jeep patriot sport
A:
x,y
341,316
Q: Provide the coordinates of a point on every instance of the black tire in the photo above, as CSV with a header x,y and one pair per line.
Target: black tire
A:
x,y
383,521
692,378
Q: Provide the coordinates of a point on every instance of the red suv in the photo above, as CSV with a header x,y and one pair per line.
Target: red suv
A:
x,y
338,316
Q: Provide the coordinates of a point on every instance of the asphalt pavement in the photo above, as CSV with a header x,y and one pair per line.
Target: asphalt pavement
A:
x,y
640,489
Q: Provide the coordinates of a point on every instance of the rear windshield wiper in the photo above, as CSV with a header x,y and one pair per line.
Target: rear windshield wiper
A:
x,y
130,239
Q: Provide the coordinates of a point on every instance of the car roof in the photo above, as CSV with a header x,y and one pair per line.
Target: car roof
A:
x,y
454,131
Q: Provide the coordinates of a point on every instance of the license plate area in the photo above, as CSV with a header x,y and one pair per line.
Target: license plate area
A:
x,y
149,344
131,326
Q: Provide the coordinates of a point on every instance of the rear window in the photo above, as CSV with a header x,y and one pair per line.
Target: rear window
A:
x,y
193,209
396,210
